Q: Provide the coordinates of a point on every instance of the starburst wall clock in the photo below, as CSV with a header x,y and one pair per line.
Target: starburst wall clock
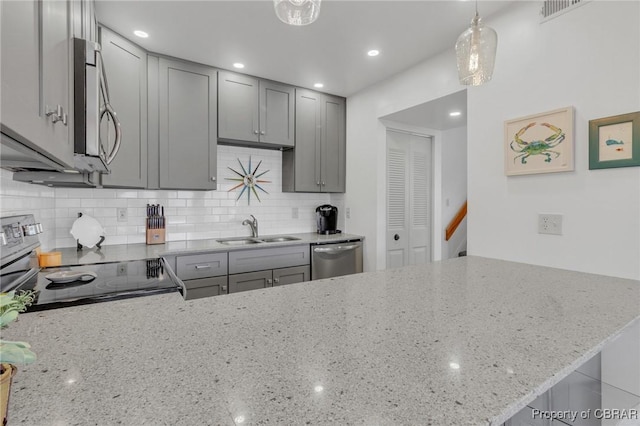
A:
x,y
249,180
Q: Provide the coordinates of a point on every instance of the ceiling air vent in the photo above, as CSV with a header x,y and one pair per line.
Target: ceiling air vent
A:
x,y
554,8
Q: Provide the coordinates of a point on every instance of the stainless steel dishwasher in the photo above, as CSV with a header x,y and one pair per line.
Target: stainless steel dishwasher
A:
x,y
335,259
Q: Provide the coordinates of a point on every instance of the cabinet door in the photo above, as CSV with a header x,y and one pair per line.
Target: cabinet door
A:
x,y
276,114
308,133
333,151
57,75
125,66
205,287
250,281
237,107
35,71
187,116
294,275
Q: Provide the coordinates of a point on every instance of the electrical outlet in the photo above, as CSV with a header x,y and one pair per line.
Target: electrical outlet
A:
x,y
348,213
122,214
294,213
122,269
550,224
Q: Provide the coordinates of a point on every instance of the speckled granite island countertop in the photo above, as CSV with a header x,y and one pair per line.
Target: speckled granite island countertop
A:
x,y
372,348
127,252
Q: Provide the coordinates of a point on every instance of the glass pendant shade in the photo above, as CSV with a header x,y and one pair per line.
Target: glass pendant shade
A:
x,y
297,12
476,53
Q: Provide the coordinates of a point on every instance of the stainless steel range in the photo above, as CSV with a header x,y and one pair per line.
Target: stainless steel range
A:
x,y
72,284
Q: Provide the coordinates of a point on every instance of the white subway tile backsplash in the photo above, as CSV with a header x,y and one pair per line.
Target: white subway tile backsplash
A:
x,y
190,214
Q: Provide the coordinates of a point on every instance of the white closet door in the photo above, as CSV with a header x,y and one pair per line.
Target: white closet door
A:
x,y
408,171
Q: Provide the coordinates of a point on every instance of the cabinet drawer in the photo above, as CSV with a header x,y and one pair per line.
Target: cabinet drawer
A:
x,y
205,287
269,258
201,265
249,281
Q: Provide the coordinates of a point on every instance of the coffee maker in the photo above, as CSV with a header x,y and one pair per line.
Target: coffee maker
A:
x,y
327,219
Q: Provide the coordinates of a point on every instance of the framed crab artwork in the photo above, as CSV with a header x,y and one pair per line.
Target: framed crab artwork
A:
x,y
540,143
614,141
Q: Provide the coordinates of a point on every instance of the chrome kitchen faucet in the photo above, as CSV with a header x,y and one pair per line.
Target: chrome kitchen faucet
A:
x,y
253,224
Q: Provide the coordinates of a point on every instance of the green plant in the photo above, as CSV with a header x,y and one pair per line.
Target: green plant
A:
x,y
11,304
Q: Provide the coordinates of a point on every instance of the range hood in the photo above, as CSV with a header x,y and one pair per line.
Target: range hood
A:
x,y
31,166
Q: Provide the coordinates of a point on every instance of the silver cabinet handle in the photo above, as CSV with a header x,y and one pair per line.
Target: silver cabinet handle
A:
x,y
213,178
318,183
334,249
276,280
255,132
263,133
57,114
203,266
323,184
269,281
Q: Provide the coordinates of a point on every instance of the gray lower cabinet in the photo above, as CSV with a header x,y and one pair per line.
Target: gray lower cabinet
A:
x,y
126,69
297,274
203,275
205,287
268,278
318,161
254,112
187,125
261,268
37,77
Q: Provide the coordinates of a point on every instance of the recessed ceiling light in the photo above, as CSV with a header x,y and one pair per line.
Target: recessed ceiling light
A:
x,y
238,65
318,85
141,34
455,113
373,52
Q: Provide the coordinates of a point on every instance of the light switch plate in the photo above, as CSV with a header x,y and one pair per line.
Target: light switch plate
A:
x,y
294,213
550,224
348,213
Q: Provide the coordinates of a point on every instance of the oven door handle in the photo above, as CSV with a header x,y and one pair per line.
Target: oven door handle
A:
x,y
174,278
26,277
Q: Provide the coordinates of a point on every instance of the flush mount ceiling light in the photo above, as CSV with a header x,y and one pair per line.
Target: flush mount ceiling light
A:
x,y
455,113
318,85
141,34
476,52
238,65
373,52
297,12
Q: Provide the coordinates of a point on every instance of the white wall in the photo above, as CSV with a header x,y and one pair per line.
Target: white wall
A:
x,y
454,187
366,141
191,215
575,59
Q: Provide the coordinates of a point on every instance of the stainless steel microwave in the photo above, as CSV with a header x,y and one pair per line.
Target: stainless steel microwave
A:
x,y
91,105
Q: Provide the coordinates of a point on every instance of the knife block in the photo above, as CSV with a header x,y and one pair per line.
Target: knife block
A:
x,y
155,236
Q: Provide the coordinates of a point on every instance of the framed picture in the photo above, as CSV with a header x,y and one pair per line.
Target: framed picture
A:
x,y
540,143
614,141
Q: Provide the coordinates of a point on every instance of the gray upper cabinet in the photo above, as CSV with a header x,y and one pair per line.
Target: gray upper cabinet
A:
x,y
37,76
317,164
126,69
254,112
187,117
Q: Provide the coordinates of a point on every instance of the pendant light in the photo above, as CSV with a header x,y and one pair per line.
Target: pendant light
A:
x,y
297,12
476,52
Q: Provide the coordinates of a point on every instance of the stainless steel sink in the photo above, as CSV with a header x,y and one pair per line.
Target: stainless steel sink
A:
x,y
241,241
279,239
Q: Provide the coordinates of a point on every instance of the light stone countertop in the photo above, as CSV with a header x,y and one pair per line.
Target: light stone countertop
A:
x,y
372,348
129,252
